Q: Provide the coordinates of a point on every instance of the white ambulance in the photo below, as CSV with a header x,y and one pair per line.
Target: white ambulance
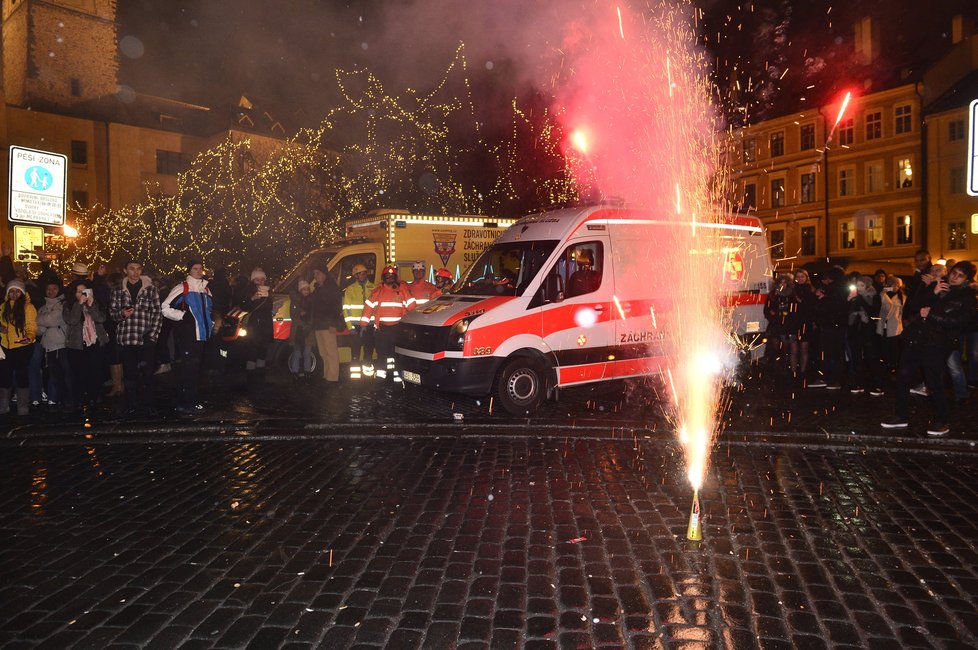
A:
x,y
557,301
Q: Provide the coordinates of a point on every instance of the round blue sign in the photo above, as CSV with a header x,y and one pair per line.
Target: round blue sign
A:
x,y
39,178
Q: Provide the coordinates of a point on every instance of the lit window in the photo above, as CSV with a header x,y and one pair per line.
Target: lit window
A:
x,y
874,125
874,231
904,173
904,232
903,115
847,232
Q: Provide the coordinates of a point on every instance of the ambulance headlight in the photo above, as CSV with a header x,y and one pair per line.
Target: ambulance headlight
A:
x,y
456,337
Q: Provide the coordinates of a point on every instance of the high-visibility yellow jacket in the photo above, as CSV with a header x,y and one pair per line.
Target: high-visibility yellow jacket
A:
x,y
354,297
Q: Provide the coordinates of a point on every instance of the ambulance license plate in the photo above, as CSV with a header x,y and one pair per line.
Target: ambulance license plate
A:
x,y
412,377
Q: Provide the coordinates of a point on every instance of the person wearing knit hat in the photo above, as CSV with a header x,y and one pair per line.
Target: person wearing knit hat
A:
x,y
18,329
258,304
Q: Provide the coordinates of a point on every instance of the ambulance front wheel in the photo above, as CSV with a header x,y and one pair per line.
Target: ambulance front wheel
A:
x,y
522,385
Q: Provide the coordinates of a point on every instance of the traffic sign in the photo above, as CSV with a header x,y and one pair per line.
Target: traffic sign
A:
x,y
973,148
27,241
38,180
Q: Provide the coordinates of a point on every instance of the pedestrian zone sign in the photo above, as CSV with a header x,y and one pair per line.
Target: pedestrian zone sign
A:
x,y
37,187
973,148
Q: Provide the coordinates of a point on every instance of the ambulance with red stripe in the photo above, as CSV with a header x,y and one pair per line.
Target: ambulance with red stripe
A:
x,y
568,297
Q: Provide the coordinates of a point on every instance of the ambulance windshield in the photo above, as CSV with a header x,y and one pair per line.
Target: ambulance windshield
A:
x,y
506,269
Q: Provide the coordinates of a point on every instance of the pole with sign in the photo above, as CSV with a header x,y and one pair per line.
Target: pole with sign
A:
x,y
28,243
38,180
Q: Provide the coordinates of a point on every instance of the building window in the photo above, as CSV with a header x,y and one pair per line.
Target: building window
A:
x,y
957,180
75,87
874,231
172,163
903,115
750,150
904,229
808,187
807,137
79,199
777,193
957,236
79,152
846,132
777,244
847,181
750,197
904,173
874,125
874,177
847,235
808,240
777,144
955,130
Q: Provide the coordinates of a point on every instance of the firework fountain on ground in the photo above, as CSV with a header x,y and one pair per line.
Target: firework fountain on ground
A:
x,y
640,90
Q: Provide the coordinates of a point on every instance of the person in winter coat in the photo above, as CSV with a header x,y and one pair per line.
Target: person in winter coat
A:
x,y
386,306
18,330
936,316
781,311
191,308
890,325
804,323
864,311
85,340
301,336
326,315
135,307
831,319
51,332
257,301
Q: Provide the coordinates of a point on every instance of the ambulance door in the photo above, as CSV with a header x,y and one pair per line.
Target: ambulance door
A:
x,y
576,314
641,299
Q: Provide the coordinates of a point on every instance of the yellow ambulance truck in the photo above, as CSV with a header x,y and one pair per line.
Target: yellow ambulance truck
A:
x,y
392,237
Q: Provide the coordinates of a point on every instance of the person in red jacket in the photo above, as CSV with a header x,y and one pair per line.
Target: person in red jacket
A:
x,y
421,290
386,306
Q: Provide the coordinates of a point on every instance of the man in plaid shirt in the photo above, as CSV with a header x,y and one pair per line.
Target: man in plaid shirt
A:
x,y
135,306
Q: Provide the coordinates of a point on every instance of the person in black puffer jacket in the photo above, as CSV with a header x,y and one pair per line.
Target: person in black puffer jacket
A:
x,y
832,318
864,346
936,316
781,311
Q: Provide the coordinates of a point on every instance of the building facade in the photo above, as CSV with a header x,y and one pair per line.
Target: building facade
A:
x,y
866,182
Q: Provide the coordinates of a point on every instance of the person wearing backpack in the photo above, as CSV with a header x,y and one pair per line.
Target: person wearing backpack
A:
x,y
191,306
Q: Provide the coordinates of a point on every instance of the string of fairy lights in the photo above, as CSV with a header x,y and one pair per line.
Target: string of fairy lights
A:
x,y
244,203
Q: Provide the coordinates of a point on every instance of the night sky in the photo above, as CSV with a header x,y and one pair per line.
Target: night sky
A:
x,y
286,52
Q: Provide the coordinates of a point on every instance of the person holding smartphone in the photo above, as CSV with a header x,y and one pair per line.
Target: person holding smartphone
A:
x,y
85,338
18,329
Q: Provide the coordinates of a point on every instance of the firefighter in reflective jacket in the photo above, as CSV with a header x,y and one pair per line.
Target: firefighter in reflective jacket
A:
x,y
386,306
361,338
421,290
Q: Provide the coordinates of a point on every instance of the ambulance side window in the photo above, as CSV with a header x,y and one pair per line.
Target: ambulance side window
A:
x,y
343,272
581,265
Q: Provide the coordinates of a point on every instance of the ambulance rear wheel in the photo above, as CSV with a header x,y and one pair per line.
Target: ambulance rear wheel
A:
x,y
522,386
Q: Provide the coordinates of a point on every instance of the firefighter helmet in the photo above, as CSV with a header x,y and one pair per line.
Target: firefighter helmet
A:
x,y
418,266
443,273
359,268
390,269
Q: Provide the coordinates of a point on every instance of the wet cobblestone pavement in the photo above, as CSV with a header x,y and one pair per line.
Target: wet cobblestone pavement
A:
x,y
369,516
454,542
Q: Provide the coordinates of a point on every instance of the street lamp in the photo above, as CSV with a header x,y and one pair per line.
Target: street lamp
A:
x,y
69,231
